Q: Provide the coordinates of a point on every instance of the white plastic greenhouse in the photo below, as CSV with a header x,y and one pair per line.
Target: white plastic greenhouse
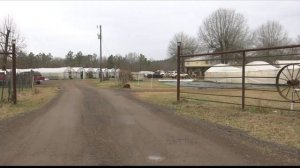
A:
x,y
96,72
80,72
111,73
23,70
258,70
224,73
57,73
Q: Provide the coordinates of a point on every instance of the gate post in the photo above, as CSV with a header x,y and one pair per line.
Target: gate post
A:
x,y
243,80
178,70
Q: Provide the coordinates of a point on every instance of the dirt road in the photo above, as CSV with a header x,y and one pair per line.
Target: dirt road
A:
x,y
89,126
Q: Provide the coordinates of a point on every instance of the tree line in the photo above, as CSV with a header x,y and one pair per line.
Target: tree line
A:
x,y
131,61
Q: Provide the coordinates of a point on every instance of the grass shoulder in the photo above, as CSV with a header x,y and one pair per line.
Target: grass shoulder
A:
x,y
28,100
281,128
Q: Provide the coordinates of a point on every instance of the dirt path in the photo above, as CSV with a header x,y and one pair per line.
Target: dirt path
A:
x,y
86,126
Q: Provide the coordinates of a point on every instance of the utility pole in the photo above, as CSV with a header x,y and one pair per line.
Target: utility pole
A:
x,y
178,70
100,66
14,77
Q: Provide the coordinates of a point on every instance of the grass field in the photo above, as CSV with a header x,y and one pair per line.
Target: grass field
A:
x,y
28,100
264,123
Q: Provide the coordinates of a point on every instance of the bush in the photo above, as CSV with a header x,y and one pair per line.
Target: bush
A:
x,y
126,85
124,77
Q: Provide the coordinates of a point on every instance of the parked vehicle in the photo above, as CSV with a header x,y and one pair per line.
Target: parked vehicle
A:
x,y
182,75
38,78
146,73
162,72
155,75
2,78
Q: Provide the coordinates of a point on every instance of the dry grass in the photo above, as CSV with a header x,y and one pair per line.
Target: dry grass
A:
x,y
104,84
276,127
28,100
200,94
135,85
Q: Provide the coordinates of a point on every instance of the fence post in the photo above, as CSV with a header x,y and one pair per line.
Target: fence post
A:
x,y
178,71
32,80
14,77
243,80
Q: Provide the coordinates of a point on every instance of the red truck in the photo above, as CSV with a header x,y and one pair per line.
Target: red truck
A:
x,y
2,76
38,78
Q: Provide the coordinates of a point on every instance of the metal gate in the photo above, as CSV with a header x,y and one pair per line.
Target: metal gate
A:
x,y
259,77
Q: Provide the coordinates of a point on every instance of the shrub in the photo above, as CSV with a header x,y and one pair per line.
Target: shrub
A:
x,y
124,77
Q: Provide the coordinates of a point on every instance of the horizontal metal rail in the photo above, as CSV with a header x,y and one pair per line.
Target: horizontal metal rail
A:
x,y
268,77
241,77
256,98
197,93
272,56
261,90
245,50
239,65
239,57
211,101
231,88
214,101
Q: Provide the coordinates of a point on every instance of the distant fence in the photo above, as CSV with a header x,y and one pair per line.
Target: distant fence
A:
x,y
24,81
261,78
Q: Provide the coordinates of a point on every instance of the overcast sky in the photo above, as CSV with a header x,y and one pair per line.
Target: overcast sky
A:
x,y
130,26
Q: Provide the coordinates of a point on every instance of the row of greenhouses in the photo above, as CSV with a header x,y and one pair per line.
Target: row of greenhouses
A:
x,y
73,72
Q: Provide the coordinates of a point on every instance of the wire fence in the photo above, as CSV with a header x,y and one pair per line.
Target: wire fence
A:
x,y
24,81
267,78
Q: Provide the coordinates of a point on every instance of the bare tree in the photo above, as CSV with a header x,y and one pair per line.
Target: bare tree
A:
x,y
224,30
189,44
271,34
8,32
